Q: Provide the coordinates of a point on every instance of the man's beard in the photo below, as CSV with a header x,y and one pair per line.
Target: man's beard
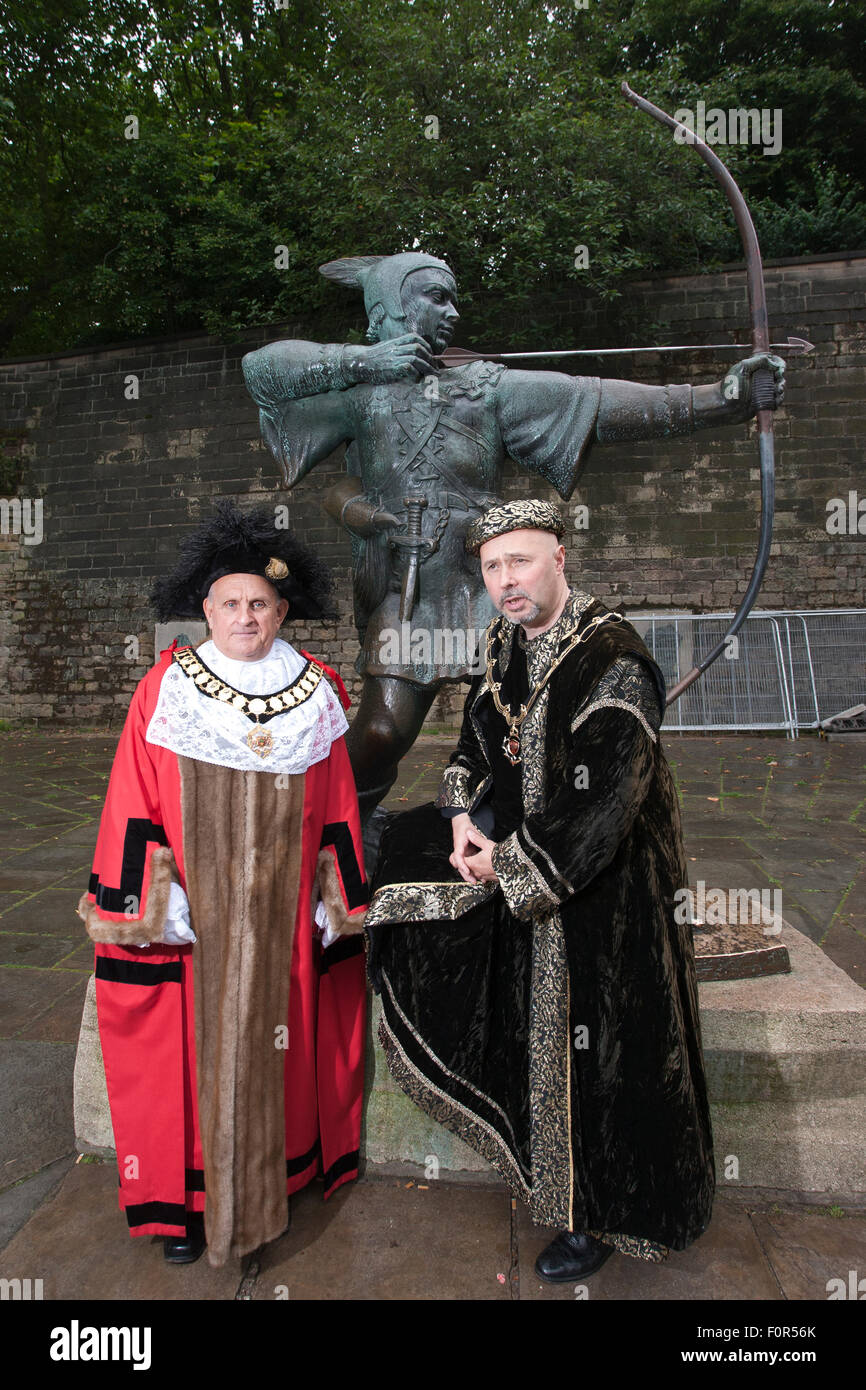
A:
x,y
437,341
529,617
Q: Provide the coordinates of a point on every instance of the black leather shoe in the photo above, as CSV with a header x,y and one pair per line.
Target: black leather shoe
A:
x,y
572,1255
185,1250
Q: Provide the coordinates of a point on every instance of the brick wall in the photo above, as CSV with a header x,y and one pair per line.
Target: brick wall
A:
x,y
120,477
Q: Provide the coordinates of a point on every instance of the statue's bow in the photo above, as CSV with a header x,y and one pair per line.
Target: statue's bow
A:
x,y
762,382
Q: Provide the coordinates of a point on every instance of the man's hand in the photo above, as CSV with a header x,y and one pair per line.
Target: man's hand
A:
x,y
472,852
409,357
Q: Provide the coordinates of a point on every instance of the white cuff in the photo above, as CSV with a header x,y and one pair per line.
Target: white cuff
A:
x,y
323,923
177,930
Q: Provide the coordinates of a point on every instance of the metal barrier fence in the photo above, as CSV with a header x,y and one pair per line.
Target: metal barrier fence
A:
x,y
784,670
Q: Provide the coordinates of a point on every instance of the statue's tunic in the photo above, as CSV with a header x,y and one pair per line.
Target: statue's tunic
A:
x,y
444,439
551,1020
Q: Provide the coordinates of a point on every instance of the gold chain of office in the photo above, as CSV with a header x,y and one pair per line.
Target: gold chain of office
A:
x,y
511,741
260,708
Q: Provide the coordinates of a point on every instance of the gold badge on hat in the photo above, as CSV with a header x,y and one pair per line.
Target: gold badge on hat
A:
x,y
276,569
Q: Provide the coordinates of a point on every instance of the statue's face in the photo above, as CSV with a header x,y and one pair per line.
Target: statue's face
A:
x,y
244,613
523,573
429,299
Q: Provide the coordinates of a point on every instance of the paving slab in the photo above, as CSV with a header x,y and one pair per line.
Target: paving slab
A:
x,y
57,851
80,957
26,877
49,910
61,1022
35,1107
727,1262
844,946
79,1245
808,1251
392,1240
26,994
18,1203
33,948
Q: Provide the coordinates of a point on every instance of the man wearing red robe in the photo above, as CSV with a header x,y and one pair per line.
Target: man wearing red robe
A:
x,y
226,901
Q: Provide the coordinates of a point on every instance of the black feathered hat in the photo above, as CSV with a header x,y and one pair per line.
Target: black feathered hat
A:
x,y
236,542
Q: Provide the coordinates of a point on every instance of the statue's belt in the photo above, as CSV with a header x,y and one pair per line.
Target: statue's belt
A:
x,y
414,548
450,501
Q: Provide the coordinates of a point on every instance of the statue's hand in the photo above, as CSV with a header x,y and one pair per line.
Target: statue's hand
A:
x,y
408,357
738,386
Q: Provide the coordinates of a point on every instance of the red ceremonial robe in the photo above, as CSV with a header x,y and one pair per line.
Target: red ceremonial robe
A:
x,y
145,998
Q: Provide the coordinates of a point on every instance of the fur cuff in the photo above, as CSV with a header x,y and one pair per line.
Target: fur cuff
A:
x,y
135,931
329,887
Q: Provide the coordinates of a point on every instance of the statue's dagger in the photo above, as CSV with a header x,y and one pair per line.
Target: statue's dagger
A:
x,y
412,541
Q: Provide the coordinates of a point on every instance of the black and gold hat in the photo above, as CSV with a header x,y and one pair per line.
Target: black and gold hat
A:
x,y
236,542
529,514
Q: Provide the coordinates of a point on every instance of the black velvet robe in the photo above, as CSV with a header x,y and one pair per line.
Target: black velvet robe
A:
x,y
551,1020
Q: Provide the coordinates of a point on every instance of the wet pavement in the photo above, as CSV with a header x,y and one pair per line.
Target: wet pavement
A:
x,y
758,813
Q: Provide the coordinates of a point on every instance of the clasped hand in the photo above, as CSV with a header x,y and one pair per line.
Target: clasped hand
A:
x,y
409,356
472,852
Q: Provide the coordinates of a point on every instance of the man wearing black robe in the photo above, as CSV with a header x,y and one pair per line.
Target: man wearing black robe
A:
x,y
539,996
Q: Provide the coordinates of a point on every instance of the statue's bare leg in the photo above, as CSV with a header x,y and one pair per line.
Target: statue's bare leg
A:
x,y
388,721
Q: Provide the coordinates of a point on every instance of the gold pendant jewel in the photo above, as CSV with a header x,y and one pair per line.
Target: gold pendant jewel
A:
x,y
511,747
260,741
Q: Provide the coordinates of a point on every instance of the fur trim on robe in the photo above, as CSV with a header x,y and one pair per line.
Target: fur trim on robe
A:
x,y
242,837
342,924
136,931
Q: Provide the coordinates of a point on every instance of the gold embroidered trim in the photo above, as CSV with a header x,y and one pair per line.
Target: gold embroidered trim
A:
x,y
614,704
572,638
454,788
461,1080
446,1111
529,513
635,1246
520,881
543,852
260,708
549,1064
568,1094
426,902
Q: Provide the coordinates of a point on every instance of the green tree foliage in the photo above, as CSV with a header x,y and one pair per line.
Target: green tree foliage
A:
x,y
308,125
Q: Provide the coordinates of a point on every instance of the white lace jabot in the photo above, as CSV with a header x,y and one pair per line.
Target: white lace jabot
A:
x,y
194,725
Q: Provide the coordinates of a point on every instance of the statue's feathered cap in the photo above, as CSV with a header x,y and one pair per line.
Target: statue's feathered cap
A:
x,y
236,542
529,514
381,277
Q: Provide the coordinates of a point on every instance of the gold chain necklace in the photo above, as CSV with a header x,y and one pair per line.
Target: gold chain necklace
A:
x,y
511,741
258,740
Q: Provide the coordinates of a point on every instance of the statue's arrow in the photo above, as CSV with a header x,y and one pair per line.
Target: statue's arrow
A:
x,y
458,356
